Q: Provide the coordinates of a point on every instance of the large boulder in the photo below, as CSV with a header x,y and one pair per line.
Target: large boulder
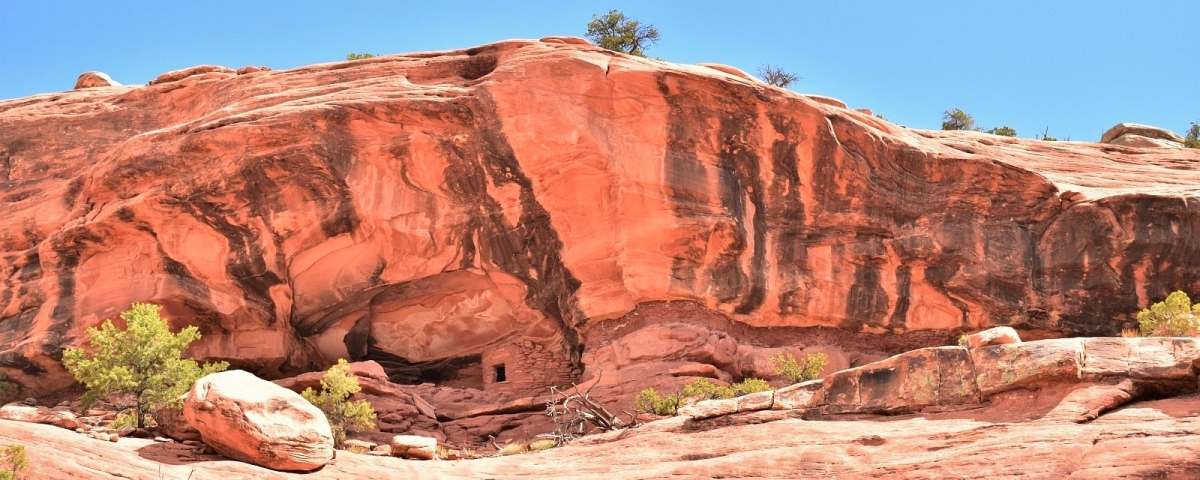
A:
x,y
1138,135
993,336
414,446
255,421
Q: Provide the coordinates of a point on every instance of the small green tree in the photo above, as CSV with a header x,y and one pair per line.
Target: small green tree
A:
x,y
807,368
776,76
650,401
1192,138
1004,131
614,31
144,360
1173,317
359,56
12,462
337,385
955,119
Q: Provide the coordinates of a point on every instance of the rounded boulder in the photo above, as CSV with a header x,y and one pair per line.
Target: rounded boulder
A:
x,y
255,421
95,79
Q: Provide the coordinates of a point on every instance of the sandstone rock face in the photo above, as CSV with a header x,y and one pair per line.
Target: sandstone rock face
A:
x,y
1145,132
453,214
255,421
94,79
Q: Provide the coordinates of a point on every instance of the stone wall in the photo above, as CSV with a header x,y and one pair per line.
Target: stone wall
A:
x,y
529,367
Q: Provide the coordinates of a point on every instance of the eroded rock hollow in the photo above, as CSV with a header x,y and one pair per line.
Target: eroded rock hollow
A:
x,y
511,216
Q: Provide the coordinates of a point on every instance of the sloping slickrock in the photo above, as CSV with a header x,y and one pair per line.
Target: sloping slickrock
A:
x,y
255,421
1154,439
437,212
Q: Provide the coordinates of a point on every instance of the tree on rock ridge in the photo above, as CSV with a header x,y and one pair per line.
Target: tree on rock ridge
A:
x,y
776,76
956,119
614,31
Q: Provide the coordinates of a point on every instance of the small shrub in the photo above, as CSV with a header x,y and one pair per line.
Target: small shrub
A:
x,y
703,389
8,390
807,368
511,449
1004,131
650,401
337,385
1130,333
1192,138
750,385
776,76
1173,317
126,418
962,340
12,462
359,56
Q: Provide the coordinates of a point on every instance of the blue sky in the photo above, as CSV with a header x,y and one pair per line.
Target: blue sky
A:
x,y
1077,67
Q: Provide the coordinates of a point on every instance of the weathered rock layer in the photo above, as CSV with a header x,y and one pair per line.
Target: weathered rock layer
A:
x,y
451,214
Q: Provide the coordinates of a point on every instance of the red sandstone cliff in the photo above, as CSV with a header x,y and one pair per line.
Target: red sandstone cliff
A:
x,y
529,207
